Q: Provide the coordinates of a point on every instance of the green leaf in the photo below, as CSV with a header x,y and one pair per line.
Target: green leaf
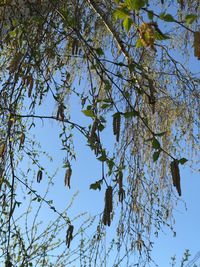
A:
x,y
167,17
161,36
156,155
155,143
161,134
101,127
183,161
88,113
103,157
127,24
99,51
139,43
190,18
130,114
107,85
105,106
150,14
111,164
121,14
135,4
96,185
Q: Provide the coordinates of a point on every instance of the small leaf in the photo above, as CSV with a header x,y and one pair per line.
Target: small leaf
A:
x,y
88,113
139,43
105,106
161,36
96,185
99,51
127,24
150,14
167,17
183,161
130,114
190,18
161,134
121,14
102,158
156,155
155,143
135,4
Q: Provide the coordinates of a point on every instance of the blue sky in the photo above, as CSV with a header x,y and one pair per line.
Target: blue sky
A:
x,y
86,170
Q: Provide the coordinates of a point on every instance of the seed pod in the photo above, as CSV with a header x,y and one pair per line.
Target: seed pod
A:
x,y
39,176
69,235
197,44
68,175
176,175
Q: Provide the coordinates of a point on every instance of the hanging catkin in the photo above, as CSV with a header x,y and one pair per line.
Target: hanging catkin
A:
x,y
176,175
197,44
108,206
116,125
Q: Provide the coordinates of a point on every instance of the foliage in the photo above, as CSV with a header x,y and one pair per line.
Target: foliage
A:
x,y
129,63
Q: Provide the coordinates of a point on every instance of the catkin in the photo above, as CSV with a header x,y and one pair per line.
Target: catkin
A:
x,y
39,176
108,206
197,44
176,175
116,125
69,235
68,175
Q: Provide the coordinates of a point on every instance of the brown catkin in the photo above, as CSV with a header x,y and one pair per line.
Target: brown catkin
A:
x,y
68,175
69,235
109,199
116,125
176,175
108,206
197,44
39,176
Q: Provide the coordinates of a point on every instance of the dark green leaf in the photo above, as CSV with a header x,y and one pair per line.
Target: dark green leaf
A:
x,y
190,18
155,143
88,113
99,51
150,14
102,158
121,14
167,17
183,161
161,134
156,155
104,106
96,185
127,24
130,114
135,4
139,43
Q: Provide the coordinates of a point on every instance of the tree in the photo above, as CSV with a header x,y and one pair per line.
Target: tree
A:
x,y
120,59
